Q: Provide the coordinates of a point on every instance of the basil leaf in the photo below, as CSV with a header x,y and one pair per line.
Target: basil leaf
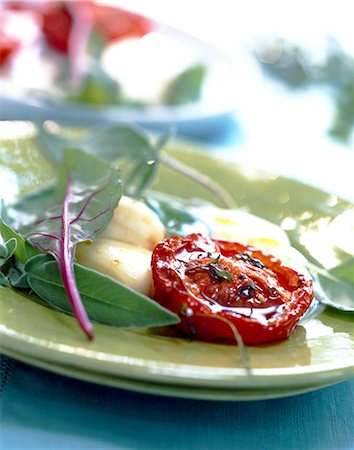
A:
x,y
106,301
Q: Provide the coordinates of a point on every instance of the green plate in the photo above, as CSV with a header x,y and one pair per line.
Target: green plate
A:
x,y
319,353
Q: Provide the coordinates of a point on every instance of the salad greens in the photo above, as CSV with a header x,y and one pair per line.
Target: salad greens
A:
x,y
132,148
52,221
38,234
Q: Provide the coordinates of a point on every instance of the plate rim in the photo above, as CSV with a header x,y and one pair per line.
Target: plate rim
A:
x,y
170,390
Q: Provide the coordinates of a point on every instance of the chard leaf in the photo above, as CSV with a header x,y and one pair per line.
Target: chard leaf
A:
x,y
106,301
87,191
337,286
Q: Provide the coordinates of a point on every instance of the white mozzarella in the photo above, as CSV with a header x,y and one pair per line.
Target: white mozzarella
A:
x,y
124,262
240,226
134,223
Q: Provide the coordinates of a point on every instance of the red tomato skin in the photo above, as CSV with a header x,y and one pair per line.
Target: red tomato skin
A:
x,y
8,47
210,320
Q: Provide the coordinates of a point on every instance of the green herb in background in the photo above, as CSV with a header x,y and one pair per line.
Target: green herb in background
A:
x,y
186,87
294,67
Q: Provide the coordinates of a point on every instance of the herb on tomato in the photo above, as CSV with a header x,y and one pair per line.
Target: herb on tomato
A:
x,y
244,301
248,258
215,270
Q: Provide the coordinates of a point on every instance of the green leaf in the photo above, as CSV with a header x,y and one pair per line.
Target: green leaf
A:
x,y
97,88
3,280
3,253
7,250
344,270
23,250
106,301
186,87
219,273
174,215
26,209
337,285
17,276
117,143
111,143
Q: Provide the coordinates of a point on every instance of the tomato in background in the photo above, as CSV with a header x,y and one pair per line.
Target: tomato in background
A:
x,y
58,18
56,26
218,286
8,47
18,29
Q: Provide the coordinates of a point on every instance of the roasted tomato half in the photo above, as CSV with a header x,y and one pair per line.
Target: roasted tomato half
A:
x,y
218,286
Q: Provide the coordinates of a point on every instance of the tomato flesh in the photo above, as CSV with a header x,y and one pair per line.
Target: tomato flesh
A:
x,y
216,285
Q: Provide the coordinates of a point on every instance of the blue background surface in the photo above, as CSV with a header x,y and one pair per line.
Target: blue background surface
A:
x,y
41,410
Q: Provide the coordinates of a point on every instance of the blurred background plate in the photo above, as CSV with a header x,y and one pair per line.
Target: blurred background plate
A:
x,y
153,75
